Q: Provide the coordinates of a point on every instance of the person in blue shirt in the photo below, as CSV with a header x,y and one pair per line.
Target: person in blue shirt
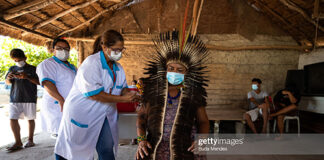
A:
x,y
23,96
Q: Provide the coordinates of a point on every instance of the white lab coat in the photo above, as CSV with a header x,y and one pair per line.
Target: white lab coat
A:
x,y
83,118
62,75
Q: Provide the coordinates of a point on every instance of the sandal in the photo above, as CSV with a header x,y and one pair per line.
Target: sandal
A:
x,y
14,148
29,144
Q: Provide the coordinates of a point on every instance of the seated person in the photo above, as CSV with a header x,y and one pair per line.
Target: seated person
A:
x,y
259,105
134,82
285,101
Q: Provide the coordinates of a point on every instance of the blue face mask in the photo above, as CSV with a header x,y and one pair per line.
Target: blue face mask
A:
x,y
254,86
175,78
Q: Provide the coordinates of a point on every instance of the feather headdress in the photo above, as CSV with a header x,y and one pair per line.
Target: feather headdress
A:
x,y
193,57
191,52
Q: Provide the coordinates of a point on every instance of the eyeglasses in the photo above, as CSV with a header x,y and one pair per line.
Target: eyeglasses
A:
x,y
62,48
118,49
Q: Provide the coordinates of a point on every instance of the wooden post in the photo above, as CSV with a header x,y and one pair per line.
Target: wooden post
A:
x,y
81,56
316,6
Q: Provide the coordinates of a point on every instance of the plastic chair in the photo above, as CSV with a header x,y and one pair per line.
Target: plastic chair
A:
x,y
287,118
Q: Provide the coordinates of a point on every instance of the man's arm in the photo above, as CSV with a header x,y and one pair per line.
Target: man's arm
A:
x,y
34,80
31,79
203,125
254,101
202,120
292,98
141,121
143,144
8,78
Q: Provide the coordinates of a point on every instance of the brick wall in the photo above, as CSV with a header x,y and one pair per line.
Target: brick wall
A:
x,y
230,72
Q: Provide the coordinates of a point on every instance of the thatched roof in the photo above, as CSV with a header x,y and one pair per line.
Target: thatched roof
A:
x,y
39,21
302,19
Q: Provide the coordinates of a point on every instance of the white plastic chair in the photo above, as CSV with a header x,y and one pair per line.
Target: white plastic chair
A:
x,y
287,118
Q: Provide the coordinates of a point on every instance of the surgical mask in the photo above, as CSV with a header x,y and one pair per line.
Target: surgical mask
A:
x,y
175,78
115,55
62,55
21,63
254,86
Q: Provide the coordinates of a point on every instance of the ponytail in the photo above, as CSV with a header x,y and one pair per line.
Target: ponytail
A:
x,y
97,45
108,38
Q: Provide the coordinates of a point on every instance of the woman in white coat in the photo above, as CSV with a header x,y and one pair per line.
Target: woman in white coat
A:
x,y
56,75
90,116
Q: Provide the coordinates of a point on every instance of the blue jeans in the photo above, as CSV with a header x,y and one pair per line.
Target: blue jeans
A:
x,y
104,146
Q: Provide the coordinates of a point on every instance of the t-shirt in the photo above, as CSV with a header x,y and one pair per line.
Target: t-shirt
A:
x,y
22,90
258,97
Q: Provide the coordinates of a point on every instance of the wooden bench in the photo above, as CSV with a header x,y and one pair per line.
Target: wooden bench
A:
x,y
218,115
225,114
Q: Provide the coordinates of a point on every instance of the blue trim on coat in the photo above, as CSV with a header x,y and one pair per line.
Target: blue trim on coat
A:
x,y
119,87
47,79
92,93
70,66
79,124
105,66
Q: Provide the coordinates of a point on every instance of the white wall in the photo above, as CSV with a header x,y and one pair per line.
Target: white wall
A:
x,y
315,56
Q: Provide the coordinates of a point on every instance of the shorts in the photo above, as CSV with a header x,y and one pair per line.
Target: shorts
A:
x,y
22,110
255,113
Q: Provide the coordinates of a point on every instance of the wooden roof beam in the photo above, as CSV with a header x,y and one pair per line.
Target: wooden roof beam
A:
x,y
63,14
316,11
111,8
209,46
26,8
294,7
42,14
78,15
273,13
13,25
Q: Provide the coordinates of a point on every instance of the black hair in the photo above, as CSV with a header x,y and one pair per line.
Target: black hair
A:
x,y
17,53
257,80
60,40
108,38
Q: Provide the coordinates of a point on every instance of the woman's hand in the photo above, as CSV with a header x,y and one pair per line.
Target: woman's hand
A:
x,y
129,97
142,149
61,102
192,147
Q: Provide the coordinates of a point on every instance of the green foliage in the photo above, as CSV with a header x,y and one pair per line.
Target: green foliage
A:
x,y
35,54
